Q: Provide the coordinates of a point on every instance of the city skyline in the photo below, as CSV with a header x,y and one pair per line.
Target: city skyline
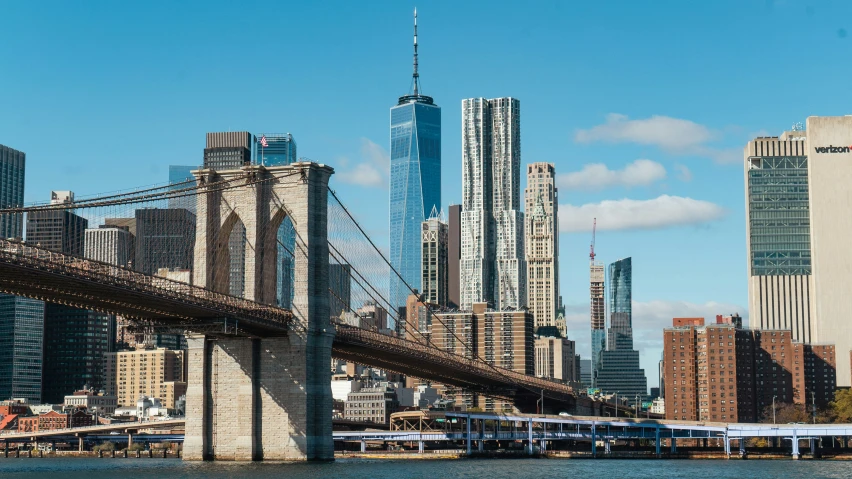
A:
x,y
636,160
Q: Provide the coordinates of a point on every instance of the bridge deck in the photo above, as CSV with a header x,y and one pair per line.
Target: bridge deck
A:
x,y
45,275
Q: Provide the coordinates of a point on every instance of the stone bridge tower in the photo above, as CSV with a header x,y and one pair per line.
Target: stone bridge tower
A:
x,y
263,398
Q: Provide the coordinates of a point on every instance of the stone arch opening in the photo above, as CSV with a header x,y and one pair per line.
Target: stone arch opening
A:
x,y
222,264
278,258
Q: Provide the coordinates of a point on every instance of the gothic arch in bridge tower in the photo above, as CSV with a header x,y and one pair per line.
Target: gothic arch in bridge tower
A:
x,y
263,398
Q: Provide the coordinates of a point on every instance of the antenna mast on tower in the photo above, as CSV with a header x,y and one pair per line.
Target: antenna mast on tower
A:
x,y
592,249
416,76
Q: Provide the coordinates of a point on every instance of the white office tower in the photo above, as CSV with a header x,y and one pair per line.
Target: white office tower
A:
x,y
110,244
542,245
492,257
798,229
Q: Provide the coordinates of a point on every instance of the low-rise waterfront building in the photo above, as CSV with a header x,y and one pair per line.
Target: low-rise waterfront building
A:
x,y
92,401
371,404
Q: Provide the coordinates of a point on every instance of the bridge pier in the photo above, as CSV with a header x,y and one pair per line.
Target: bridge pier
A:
x,y
795,440
594,441
657,440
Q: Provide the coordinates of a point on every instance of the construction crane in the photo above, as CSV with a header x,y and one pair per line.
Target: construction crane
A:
x,y
592,249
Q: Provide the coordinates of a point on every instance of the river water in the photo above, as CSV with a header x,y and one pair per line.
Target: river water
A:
x,y
90,468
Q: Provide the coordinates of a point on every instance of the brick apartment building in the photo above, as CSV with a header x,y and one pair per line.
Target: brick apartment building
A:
x,y
720,372
502,338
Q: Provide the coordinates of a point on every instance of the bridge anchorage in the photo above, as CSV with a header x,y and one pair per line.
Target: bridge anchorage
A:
x,y
264,397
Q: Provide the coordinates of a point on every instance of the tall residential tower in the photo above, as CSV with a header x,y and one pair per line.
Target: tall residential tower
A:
x,y
492,268
415,180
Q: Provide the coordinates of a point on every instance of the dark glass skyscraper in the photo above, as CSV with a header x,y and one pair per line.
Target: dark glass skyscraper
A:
x,y
621,289
415,180
21,338
21,319
12,164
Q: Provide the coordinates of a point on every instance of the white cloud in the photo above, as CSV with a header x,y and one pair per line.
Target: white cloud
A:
x,y
597,176
626,214
364,174
674,135
683,173
371,171
374,153
666,132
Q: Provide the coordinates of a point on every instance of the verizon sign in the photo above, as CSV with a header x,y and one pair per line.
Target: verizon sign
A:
x,y
833,149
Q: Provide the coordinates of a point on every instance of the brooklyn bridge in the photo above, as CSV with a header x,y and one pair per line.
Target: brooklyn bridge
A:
x,y
259,375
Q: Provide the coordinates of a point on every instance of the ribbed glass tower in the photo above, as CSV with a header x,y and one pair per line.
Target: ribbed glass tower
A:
x,y
619,370
415,180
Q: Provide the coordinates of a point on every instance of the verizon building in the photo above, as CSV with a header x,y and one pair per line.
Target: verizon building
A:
x,y
798,226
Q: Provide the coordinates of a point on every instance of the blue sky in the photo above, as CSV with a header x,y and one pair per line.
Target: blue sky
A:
x,y
643,107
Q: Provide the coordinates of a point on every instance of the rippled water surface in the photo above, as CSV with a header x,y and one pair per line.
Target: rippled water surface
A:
x,y
431,469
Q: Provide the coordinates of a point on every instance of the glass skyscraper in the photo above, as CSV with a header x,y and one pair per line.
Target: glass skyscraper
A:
x,y
21,338
280,149
178,175
415,180
621,289
619,370
21,319
12,164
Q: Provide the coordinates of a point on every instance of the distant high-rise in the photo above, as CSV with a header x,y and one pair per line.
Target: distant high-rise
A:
x,y
454,256
228,150
598,315
586,372
75,340
21,341
57,230
435,281
542,244
619,369
180,177
110,244
339,289
12,166
279,150
165,238
415,180
554,355
492,266
21,319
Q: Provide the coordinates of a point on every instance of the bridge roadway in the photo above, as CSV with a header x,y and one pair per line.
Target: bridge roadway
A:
x,y
59,278
123,427
474,428
45,275
101,430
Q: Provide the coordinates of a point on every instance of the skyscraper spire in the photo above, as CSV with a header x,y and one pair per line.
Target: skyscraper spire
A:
x,y
416,76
